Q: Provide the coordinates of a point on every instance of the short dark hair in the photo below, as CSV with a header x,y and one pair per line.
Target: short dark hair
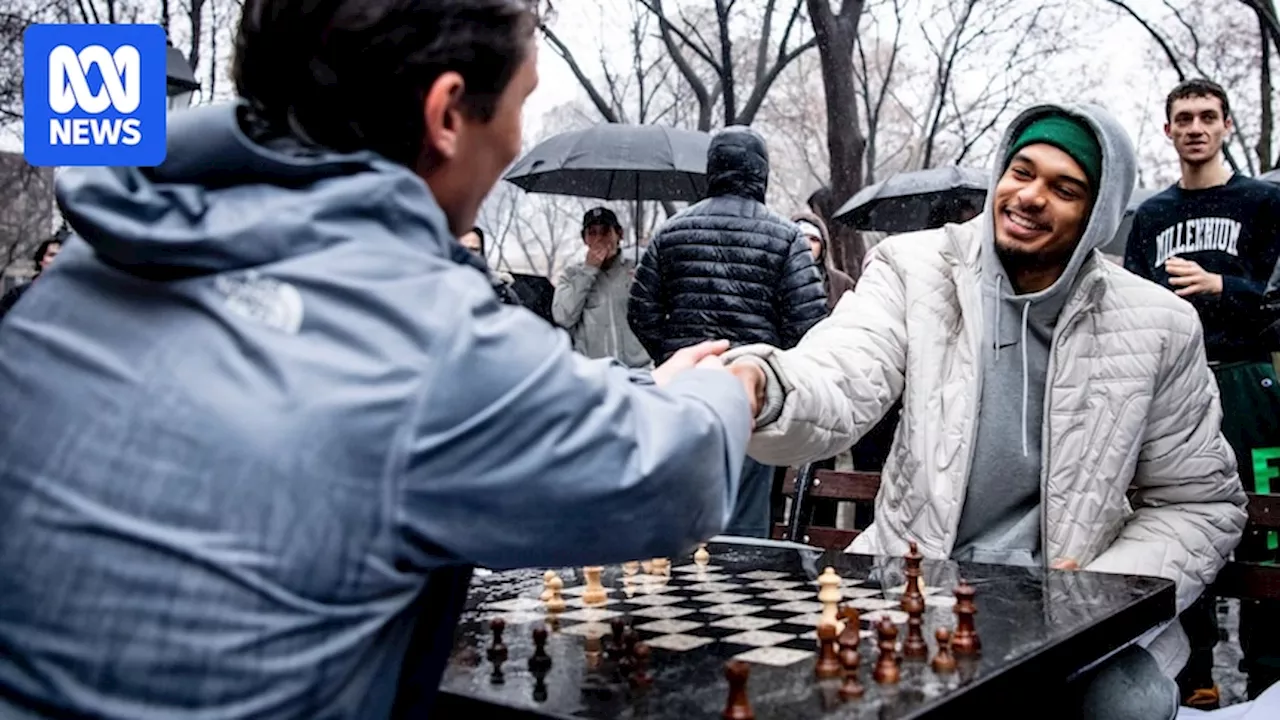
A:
x,y
1198,87
479,236
352,75
43,248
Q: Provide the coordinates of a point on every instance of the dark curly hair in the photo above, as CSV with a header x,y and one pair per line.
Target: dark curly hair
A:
x,y
1199,87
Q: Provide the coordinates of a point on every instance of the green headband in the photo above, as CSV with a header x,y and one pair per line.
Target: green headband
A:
x,y
1069,135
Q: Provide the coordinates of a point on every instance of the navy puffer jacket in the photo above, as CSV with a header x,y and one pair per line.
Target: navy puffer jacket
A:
x,y
727,267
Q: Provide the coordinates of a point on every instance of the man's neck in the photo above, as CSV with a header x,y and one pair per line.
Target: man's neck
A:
x,y
1204,175
1033,280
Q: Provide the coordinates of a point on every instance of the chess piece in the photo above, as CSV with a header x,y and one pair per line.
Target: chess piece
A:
x,y
614,647
595,593
965,641
701,557
829,595
546,585
828,665
591,649
944,662
540,660
737,707
849,660
555,603
540,683
647,566
661,566
914,646
886,670
640,676
851,635
631,567
912,561
627,652
497,650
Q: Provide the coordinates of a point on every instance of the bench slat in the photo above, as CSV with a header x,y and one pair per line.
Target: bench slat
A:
x,y
838,485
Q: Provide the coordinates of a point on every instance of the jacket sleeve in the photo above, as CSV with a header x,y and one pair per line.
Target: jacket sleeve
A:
x,y
1189,507
803,298
571,294
645,308
1243,295
845,374
1135,250
523,453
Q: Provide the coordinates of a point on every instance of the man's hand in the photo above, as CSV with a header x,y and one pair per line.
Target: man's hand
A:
x,y
597,253
1065,564
753,381
704,356
1191,279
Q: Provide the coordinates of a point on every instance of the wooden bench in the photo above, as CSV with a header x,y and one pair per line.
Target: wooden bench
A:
x,y
1249,580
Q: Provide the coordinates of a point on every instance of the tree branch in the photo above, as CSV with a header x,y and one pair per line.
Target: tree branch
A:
x,y
596,99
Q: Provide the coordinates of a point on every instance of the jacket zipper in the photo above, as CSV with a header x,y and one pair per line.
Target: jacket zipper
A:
x,y
976,346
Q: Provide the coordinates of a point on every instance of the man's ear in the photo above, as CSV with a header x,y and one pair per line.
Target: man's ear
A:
x,y
442,115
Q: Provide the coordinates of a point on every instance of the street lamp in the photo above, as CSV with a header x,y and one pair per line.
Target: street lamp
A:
x,y
180,81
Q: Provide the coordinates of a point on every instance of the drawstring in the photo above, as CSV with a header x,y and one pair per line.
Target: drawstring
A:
x,y
1026,311
995,314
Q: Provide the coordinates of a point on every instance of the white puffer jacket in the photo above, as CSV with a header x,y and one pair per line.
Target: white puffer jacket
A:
x,y
1131,404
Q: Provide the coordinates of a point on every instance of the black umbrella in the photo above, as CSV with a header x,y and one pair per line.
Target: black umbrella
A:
x,y
618,162
917,200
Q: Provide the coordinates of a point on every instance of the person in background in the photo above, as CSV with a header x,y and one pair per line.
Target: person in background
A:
x,y
836,282
591,298
45,252
503,283
728,267
250,455
1214,238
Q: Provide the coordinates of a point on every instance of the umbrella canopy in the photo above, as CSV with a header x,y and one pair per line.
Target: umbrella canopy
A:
x,y
1118,241
618,162
917,200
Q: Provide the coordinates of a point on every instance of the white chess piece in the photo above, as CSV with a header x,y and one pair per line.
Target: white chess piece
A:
x,y
702,557
595,593
829,595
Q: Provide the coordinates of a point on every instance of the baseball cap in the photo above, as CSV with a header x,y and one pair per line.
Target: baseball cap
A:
x,y
600,216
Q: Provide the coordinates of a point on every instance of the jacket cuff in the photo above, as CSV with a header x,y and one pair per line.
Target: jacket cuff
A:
x,y
774,395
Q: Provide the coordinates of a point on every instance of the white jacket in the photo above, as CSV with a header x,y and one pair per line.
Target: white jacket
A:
x,y
1131,405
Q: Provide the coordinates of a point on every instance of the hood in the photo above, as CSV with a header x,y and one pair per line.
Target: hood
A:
x,y
824,257
1008,312
738,164
223,202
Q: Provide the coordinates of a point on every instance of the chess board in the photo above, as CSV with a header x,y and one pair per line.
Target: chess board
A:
x,y
767,617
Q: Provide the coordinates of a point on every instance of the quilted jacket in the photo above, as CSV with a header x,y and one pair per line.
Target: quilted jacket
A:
x,y
727,267
1130,405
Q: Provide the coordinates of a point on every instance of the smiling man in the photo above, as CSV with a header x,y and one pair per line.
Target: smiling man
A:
x,y
1057,410
1212,238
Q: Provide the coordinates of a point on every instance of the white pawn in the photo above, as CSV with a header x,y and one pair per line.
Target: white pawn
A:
x,y
595,593
555,603
702,557
546,585
829,595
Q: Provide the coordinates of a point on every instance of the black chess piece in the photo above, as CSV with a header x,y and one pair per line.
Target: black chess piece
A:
x,y
965,640
627,652
914,646
828,665
737,707
849,660
944,662
852,633
540,661
614,645
886,671
497,650
540,683
640,676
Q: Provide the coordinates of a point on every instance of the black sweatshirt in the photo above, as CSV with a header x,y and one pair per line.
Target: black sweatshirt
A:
x,y
1232,230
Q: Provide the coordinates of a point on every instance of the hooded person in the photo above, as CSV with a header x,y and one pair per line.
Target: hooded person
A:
x,y
1044,385
836,282
728,267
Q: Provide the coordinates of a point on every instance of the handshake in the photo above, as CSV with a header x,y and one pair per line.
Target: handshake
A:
x,y
706,356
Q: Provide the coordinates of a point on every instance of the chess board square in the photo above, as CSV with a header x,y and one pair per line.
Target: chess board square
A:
x,y
800,606
577,601
757,600
757,638
787,595
764,575
897,617
590,614
520,603
661,612
770,613
679,643
775,656
744,622
654,600
720,598
588,629
711,587
706,577
791,628
924,589
940,600
776,584
668,627
515,617
806,619
813,634
645,579
732,609
695,568
861,592
868,603
575,590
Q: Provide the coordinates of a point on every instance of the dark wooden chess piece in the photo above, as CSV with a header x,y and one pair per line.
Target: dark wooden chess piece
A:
x,y
497,651
965,641
540,661
912,561
640,676
613,646
886,671
737,707
626,654
850,660
944,662
914,645
828,665
851,635
540,683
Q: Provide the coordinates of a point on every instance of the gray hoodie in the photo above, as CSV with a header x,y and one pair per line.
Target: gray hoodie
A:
x,y
1002,516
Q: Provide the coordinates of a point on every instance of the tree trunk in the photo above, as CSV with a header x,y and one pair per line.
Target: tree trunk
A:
x,y
1268,117
726,63
846,145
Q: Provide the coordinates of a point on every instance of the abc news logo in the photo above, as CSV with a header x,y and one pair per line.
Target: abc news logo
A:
x,y
94,95
69,89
